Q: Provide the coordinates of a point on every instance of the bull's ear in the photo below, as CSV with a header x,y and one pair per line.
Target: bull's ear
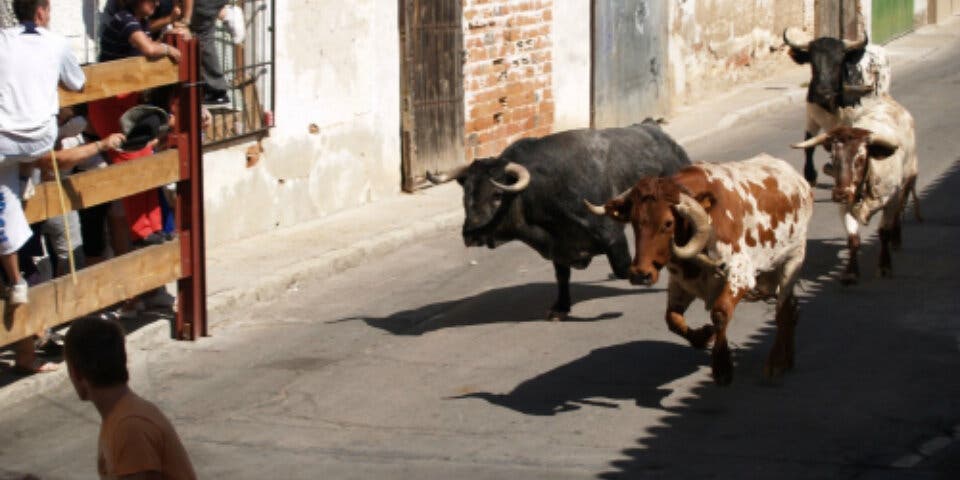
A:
x,y
799,56
619,209
827,145
706,200
854,56
880,151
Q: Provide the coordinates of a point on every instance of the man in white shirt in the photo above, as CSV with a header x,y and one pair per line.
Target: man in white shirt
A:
x,y
33,60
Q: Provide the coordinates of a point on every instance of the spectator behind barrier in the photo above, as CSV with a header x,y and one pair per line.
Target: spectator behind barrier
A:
x,y
33,60
201,17
126,34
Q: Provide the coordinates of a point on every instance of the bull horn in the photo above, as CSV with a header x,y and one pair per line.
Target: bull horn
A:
x,y
812,142
519,171
702,229
849,45
884,140
794,43
858,89
594,209
438,178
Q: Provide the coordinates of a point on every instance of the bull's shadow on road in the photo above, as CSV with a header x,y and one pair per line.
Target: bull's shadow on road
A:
x,y
631,371
519,303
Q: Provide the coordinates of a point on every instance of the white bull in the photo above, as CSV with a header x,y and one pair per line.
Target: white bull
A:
x,y
874,162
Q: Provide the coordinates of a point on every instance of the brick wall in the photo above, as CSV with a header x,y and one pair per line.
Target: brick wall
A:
x,y
507,73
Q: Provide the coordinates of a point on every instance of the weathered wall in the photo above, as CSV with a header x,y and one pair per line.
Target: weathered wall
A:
x,y
336,68
77,20
717,43
571,60
507,73
920,10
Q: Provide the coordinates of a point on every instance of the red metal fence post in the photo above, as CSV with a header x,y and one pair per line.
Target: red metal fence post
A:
x,y
191,321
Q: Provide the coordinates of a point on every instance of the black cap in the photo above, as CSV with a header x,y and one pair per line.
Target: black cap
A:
x,y
141,124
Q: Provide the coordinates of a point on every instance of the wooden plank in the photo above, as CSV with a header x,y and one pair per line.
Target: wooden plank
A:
x,y
102,185
108,79
58,301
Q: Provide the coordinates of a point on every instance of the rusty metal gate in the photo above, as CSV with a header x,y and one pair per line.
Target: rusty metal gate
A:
x,y
431,95
629,61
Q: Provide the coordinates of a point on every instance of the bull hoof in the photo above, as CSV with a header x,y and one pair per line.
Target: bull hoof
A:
x,y
810,173
775,370
701,337
849,278
722,367
557,316
723,377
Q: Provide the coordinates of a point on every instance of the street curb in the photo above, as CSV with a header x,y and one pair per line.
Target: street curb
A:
x,y
736,116
277,283
144,338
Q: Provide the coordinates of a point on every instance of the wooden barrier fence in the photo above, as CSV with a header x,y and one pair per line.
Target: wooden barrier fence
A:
x,y
58,301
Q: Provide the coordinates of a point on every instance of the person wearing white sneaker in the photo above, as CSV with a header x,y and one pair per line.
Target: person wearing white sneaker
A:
x,y
201,18
33,60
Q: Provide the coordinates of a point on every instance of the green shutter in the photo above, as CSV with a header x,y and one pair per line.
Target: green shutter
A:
x,y
890,19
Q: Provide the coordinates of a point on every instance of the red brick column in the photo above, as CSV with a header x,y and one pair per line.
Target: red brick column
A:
x,y
507,73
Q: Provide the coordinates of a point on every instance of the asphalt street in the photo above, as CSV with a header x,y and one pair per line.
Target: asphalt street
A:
x,y
435,361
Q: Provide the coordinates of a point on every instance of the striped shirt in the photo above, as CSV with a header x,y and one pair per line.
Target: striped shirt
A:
x,y
115,37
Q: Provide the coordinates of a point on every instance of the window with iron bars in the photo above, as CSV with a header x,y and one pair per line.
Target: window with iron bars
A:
x,y
249,71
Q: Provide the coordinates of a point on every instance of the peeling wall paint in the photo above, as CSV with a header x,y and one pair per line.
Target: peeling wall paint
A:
x,y
717,43
337,69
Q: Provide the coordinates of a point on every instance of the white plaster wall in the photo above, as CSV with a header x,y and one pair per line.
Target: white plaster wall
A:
x,y
76,20
920,12
337,67
571,64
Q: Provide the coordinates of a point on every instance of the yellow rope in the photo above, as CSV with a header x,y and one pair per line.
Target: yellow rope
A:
x,y
66,213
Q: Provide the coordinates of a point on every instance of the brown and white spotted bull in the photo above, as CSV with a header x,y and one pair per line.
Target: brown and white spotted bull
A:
x,y
725,232
874,161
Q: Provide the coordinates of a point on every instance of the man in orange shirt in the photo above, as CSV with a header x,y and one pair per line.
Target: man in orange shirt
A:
x,y
136,439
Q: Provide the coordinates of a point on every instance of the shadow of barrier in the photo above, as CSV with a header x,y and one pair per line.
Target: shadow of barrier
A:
x,y
60,300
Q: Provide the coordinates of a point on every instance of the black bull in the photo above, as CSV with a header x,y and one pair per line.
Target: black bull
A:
x,y
835,80
534,192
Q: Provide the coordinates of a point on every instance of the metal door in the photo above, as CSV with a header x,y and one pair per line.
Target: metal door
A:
x,y
891,18
629,61
431,39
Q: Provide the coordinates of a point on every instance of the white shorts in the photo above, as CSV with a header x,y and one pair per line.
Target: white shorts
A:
x,y
14,230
